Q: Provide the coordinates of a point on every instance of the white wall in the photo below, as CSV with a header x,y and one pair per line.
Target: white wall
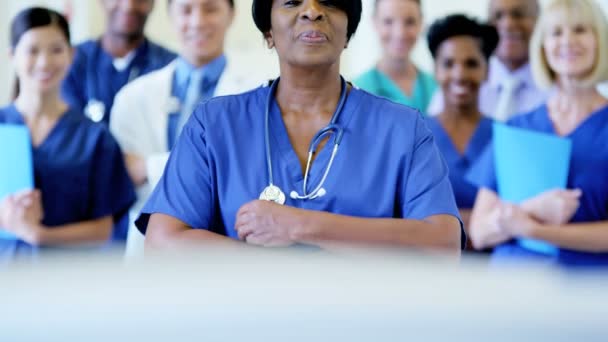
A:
x,y
244,42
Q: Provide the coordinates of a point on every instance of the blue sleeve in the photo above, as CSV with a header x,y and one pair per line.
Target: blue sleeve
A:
x,y
483,172
185,189
113,191
427,191
73,88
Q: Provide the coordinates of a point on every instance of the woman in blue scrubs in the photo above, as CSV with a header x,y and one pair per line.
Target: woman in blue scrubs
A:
x,y
461,48
242,171
570,54
102,66
398,24
80,178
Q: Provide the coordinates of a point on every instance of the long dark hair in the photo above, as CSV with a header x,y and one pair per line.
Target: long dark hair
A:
x,y
31,18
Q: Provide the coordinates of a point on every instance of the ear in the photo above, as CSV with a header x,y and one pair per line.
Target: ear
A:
x,y
232,15
269,40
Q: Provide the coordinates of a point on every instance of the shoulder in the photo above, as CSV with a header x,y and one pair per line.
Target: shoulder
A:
x,y
384,114
534,119
8,115
233,107
367,79
86,49
427,79
237,78
152,80
161,52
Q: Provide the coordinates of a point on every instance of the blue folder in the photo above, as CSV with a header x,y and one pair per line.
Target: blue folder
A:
x,y
527,164
16,167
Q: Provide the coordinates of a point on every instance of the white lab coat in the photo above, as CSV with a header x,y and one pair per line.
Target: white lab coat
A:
x,y
139,123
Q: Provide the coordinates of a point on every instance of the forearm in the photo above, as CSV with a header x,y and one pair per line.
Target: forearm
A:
x,y
165,232
331,231
88,232
584,237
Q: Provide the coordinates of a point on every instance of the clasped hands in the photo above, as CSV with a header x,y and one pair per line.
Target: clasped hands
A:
x,y
551,208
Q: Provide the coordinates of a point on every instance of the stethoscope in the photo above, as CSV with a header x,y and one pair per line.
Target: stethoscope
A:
x,y
272,192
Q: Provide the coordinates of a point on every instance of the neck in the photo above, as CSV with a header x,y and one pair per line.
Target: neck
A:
x,y
118,45
460,114
41,104
309,91
402,67
514,65
573,99
199,62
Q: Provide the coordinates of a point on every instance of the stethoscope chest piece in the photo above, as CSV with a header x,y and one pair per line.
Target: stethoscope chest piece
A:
x,y
272,193
95,110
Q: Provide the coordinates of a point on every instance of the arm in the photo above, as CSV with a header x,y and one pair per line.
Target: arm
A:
x,y
271,225
167,232
583,237
326,230
82,233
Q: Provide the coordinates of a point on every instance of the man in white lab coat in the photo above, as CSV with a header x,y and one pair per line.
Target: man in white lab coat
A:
x,y
149,113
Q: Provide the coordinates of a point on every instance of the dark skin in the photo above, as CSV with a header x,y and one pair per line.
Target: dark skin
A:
x,y
460,69
309,37
126,21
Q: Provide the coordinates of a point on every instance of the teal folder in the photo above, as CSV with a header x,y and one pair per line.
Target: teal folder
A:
x,y
527,164
16,167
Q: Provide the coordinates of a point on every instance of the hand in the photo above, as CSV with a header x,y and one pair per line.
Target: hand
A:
x,y
264,223
21,214
515,221
136,167
554,206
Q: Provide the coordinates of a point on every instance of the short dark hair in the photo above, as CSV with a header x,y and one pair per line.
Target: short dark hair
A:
x,y
261,14
230,2
34,17
461,25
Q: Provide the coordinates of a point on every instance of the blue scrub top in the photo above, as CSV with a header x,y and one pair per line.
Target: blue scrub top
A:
x,y
80,172
93,77
387,164
459,164
588,170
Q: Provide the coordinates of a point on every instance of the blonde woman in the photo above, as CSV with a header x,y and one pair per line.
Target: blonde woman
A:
x,y
569,53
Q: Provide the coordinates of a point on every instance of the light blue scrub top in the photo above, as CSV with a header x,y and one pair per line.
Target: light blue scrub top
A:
x,y
93,76
387,165
80,171
378,83
588,172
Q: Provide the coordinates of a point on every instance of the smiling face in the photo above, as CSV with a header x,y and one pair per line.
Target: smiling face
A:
x,y
514,20
307,33
398,23
42,58
460,69
570,47
201,26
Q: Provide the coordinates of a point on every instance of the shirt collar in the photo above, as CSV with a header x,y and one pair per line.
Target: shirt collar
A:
x,y
211,71
498,72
